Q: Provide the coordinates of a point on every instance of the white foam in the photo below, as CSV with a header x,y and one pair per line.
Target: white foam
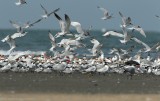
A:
x,y
5,52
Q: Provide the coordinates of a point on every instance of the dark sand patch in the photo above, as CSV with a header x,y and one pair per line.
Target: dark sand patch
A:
x,y
76,83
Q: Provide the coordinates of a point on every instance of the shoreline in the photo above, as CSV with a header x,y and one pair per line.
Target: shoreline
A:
x,y
79,97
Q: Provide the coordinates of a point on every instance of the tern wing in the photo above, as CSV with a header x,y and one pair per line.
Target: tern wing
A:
x,y
17,35
68,22
53,41
61,22
56,10
104,10
14,24
78,27
45,11
140,42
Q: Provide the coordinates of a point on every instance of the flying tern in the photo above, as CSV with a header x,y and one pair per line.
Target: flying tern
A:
x,y
82,33
106,13
125,21
64,25
113,33
28,24
126,37
139,29
10,41
19,28
147,48
20,2
46,15
157,16
53,41
96,47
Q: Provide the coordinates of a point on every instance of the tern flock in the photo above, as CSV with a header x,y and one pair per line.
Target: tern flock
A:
x,y
68,61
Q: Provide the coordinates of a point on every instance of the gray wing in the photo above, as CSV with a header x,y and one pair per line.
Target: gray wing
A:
x,y
140,42
14,24
53,41
58,17
56,10
104,10
78,27
45,11
68,21
32,24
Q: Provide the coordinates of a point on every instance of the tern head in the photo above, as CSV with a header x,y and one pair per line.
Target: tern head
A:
x,y
25,2
130,23
138,26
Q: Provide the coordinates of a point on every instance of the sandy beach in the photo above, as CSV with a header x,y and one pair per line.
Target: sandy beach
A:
x,y
79,97
78,87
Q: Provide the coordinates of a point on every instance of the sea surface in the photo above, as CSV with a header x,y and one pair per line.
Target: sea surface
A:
x,y
38,40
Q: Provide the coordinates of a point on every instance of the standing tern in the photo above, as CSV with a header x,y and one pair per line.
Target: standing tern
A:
x,y
64,25
106,13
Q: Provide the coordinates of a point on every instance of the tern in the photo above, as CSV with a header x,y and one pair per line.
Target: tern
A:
x,y
20,30
20,2
78,27
113,33
158,48
126,37
130,71
106,13
157,16
10,41
139,29
125,21
46,15
64,25
82,33
103,70
28,24
53,41
96,47
17,26
147,48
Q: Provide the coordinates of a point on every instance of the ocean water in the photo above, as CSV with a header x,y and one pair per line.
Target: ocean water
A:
x,y
38,40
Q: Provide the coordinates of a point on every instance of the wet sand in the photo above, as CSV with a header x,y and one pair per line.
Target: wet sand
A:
x,y
78,86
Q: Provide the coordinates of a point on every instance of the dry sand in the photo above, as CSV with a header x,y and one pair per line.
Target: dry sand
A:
x,y
79,97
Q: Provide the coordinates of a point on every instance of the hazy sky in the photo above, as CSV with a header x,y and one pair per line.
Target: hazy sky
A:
x,y
142,13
